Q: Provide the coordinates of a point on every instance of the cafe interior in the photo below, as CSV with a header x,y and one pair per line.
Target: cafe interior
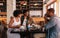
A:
x,y
37,10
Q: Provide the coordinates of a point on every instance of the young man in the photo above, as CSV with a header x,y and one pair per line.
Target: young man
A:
x,y
53,26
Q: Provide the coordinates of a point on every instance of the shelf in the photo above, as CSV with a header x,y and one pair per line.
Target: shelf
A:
x,y
2,1
3,13
35,7
37,4
3,6
3,10
2,18
36,1
31,4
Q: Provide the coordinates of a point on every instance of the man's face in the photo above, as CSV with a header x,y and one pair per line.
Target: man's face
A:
x,y
48,14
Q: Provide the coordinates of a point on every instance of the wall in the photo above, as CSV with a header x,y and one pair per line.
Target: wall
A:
x,y
58,8
11,6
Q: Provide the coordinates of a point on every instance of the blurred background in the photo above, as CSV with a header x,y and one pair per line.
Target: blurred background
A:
x,y
36,9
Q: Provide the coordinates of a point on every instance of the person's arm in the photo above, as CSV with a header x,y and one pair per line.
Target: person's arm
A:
x,y
11,22
50,24
50,2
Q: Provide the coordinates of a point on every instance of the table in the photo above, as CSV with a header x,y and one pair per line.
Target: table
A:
x,y
28,34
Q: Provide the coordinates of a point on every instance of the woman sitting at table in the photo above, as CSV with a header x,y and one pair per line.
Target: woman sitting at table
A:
x,y
14,24
26,19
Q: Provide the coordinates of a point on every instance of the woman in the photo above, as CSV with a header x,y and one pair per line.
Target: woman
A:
x,y
26,20
14,24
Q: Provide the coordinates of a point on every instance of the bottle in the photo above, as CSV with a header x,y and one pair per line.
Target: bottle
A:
x,y
29,27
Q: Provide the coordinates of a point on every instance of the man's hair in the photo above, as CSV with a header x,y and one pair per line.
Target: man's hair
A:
x,y
24,11
51,10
